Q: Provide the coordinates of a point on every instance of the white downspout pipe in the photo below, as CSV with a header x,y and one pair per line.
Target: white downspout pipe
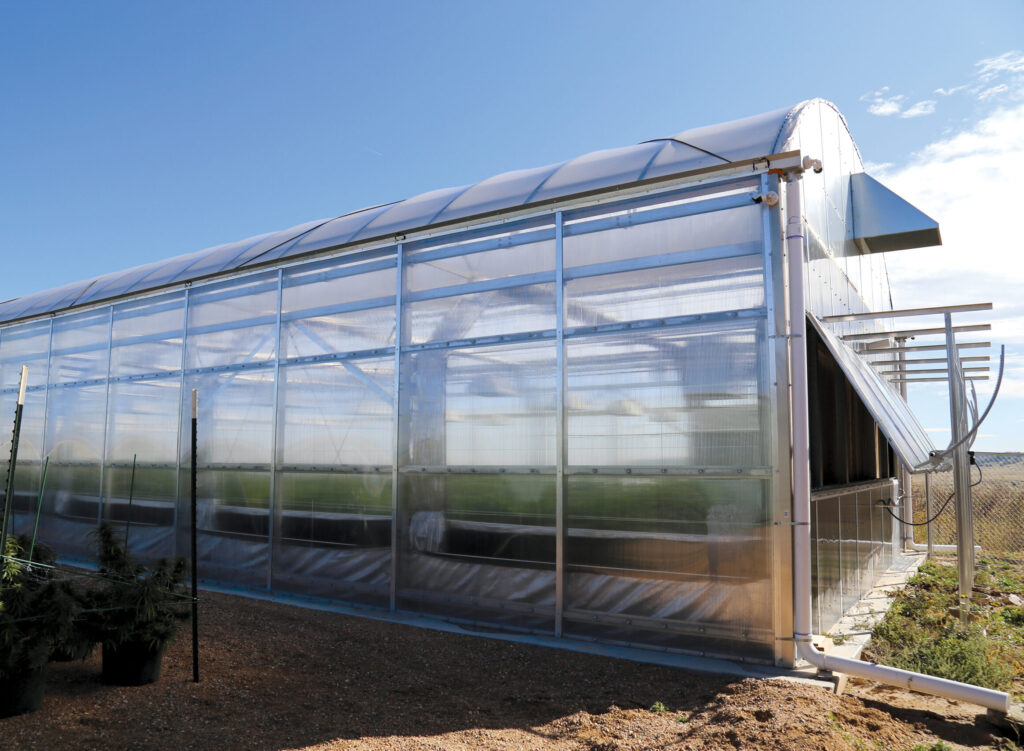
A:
x,y
996,700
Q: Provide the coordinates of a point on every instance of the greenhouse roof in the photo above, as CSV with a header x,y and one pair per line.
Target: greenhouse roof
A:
x,y
700,148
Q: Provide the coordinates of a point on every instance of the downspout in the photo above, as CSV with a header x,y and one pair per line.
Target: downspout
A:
x,y
995,700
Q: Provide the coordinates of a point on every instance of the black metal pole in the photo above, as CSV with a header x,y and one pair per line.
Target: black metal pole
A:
x,y
9,490
195,576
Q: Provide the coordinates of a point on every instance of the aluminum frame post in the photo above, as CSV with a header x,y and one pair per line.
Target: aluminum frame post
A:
x,y
562,444
906,484
395,427
928,512
961,472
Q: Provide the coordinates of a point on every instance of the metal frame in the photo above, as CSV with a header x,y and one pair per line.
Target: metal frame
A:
x,y
106,415
396,426
778,374
275,429
561,438
181,414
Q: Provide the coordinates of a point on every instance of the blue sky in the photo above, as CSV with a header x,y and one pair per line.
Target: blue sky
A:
x,y
133,131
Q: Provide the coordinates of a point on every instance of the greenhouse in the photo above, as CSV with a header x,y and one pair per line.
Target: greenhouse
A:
x,y
555,402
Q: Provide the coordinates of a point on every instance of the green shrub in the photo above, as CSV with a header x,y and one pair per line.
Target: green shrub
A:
x,y
136,603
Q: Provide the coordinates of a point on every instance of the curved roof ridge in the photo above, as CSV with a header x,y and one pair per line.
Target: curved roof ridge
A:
x,y
789,124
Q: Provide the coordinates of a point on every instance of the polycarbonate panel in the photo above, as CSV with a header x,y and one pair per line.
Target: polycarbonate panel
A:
x,y
743,138
682,563
893,415
599,169
80,347
333,510
686,396
493,313
500,406
337,413
233,323
829,573
418,211
481,266
235,434
46,301
148,336
735,231
478,547
24,345
317,315
501,191
849,557
851,538
142,432
74,443
328,234
477,500
687,289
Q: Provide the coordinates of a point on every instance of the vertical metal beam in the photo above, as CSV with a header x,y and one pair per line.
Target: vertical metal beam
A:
x,y
961,471
106,414
274,427
181,415
777,424
907,511
46,406
561,440
399,275
928,511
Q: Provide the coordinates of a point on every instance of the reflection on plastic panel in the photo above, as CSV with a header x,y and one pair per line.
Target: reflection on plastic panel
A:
x,y
719,229
674,397
492,313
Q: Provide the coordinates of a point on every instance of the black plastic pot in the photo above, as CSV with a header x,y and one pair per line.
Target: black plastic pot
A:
x,y
22,693
132,663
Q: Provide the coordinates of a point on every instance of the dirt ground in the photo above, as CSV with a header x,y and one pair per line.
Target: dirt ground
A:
x,y
282,677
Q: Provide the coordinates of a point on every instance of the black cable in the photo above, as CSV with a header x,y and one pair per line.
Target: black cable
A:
x,y
692,146
943,508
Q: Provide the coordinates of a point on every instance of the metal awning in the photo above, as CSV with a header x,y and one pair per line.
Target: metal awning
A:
x,y
892,414
882,221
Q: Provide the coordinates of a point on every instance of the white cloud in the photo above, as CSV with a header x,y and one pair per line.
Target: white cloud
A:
x,y
969,183
992,91
1008,62
882,103
925,107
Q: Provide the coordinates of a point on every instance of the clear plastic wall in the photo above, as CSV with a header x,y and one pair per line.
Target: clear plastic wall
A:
x,y
583,443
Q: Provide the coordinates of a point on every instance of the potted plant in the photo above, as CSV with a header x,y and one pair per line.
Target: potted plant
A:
x,y
36,612
136,610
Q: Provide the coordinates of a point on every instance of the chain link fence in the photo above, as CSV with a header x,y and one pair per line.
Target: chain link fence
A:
x,y
998,504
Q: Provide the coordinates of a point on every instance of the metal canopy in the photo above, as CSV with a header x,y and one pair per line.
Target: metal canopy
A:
x,y
899,425
882,221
